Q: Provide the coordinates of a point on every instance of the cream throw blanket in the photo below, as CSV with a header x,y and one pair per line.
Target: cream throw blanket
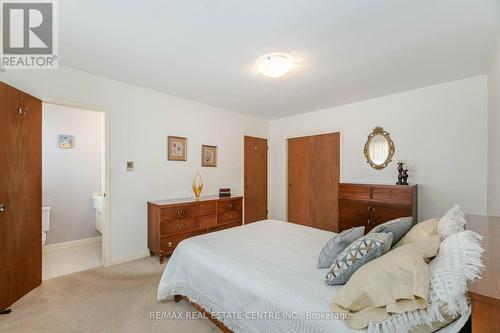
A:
x,y
457,262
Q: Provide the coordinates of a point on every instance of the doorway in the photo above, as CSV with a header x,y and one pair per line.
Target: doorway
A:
x,y
313,180
255,179
73,181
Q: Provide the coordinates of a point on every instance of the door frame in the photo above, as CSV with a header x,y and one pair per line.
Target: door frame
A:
x,y
243,171
106,169
303,135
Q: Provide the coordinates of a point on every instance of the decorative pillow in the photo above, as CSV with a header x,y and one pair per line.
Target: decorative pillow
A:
x,y
357,254
452,222
337,244
394,283
398,228
419,231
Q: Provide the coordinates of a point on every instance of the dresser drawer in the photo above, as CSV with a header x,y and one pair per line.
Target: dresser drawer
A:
x,y
356,221
229,205
179,212
347,207
229,216
168,243
353,213
394,194
207,221
354,191
178,226
226,226
208,208
389,211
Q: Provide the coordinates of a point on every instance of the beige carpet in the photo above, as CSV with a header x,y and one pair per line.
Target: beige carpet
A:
x,y
114,299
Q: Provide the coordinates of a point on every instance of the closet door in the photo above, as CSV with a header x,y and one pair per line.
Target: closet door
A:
x,y
313,180
325,178
299,180
20,194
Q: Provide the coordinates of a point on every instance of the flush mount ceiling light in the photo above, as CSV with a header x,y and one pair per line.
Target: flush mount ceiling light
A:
x,y
275,64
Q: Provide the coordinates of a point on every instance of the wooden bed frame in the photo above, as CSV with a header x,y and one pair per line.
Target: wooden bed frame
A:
x,y
223,328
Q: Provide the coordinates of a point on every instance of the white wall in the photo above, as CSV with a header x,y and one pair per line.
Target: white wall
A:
x,y
71,175
494,135
139,122
441,131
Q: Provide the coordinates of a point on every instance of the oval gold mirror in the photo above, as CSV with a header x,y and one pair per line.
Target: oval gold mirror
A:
x,y
379,148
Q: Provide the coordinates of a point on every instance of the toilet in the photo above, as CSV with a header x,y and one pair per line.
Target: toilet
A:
x,y
45,223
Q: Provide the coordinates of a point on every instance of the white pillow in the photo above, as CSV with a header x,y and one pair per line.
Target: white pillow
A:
x,y
452,222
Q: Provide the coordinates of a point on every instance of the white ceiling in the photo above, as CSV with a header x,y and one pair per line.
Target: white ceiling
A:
x,y
347,50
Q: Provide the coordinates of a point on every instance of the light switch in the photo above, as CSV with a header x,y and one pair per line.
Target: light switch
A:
x,y
130,166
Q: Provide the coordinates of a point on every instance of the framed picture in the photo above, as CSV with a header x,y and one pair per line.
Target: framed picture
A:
x,y
208,156
177,148
65,141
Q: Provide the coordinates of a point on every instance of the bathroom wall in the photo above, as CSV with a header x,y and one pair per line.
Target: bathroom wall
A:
x,y
71,175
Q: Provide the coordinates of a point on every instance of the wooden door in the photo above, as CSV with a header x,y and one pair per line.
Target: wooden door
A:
x,y
20,194
255,174
299,180
313,180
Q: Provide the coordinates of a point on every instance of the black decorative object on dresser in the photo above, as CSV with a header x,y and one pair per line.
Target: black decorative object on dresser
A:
x,y
171,221
402,174
372,204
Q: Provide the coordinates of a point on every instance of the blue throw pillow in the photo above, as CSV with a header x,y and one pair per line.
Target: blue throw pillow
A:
x,y
337,244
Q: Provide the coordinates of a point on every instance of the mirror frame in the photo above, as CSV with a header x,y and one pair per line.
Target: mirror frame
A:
x,y
392,148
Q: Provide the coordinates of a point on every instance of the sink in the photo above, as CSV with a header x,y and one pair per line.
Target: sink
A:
x,y
98,199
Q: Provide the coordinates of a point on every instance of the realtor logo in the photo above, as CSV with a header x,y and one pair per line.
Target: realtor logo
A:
x,y
29,35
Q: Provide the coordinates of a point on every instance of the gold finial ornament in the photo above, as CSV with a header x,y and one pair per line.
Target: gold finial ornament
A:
x,y
197,185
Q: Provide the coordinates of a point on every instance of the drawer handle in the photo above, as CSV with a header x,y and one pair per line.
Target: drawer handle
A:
x,y
371,208
370,221
180,225
169,244
181,213
230,205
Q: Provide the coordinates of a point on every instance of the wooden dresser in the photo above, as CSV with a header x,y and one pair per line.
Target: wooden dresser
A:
x,y
485,292
171,221
373,204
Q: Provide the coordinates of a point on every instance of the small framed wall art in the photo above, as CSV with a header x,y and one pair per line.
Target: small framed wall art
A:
x,y
65,141
208,156
177,148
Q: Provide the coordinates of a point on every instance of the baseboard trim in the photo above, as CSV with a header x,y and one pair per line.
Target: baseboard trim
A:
x,y
137,256
73,243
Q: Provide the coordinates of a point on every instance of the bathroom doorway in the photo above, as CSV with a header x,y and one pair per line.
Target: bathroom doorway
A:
x,y
73,189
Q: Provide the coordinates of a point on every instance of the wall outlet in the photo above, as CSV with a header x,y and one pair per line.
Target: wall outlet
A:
x,y
130,166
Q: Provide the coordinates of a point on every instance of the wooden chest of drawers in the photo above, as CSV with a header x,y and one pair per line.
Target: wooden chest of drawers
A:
x,y
171,221
370,205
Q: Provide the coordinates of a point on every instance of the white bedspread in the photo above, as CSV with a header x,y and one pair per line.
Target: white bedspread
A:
x,y
265,268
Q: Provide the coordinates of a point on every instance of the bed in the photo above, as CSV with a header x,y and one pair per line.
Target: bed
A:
x,y
260,277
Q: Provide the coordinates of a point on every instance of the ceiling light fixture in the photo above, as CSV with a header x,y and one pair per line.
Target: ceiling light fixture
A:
x,y
275,64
